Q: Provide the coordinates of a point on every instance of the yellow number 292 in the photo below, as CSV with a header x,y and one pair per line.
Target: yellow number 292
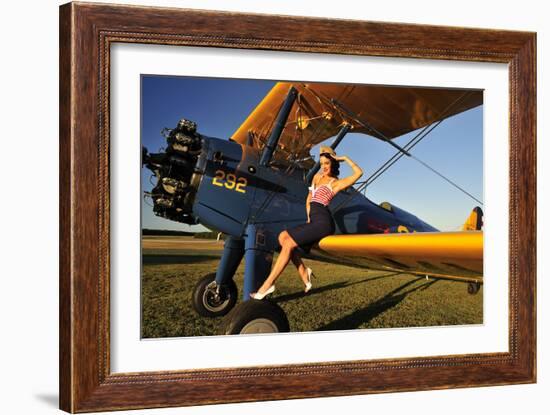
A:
x,y
229,181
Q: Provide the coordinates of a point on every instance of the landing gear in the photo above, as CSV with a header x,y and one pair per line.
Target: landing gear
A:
x,y
473,287
213,300
255,316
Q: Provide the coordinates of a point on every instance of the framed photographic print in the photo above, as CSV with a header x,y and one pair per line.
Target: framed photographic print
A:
x,y
288,211
182,240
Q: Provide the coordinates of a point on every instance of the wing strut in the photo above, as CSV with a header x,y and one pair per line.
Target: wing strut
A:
x,y
278,127
363,124
401,149
421,135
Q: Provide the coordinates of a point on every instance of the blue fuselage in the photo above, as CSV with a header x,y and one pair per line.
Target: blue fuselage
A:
x,y
236,191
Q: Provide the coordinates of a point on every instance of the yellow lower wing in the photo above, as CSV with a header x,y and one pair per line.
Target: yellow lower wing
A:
x,y
444,254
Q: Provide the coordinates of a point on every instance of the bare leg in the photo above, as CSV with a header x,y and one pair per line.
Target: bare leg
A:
x,y
287,247
300,266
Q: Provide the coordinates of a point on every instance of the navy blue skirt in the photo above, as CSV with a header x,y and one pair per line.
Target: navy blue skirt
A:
x,y
320,225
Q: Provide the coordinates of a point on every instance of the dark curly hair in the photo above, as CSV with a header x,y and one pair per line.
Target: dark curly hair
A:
x,y
334,165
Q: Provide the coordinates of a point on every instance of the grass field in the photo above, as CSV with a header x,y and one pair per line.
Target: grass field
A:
x,y
342,297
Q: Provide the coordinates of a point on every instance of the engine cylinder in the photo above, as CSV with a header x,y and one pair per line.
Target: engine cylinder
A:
x,y
174,170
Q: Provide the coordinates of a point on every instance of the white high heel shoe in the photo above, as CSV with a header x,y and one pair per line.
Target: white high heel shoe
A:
x,y
308,283
260,296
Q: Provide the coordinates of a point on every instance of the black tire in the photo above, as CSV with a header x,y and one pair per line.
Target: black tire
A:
x,y
255,316
473,288
210,302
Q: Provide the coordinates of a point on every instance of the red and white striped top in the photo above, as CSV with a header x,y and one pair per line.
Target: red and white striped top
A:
x,y
323,194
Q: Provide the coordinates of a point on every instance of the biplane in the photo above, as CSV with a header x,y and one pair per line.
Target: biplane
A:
x,y
254,185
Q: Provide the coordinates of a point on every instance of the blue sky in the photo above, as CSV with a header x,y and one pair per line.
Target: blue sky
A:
x,y
219,106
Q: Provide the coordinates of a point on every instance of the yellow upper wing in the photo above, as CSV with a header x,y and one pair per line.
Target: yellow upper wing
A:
x,y
391,111
452,254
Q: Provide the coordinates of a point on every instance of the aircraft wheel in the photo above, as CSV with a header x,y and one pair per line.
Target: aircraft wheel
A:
x,y
255,316
209,300
473,287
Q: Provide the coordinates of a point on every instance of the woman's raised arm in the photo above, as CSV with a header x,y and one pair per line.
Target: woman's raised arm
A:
x,y
350,180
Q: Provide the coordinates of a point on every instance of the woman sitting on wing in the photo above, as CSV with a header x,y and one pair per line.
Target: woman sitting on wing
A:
x,y
319,220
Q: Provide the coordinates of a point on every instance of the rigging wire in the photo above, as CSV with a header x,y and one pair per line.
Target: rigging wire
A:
x,y
382,169
446,179
390,162
413,142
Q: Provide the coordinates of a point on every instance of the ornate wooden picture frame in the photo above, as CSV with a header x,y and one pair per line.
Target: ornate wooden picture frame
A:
x,y
87,32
